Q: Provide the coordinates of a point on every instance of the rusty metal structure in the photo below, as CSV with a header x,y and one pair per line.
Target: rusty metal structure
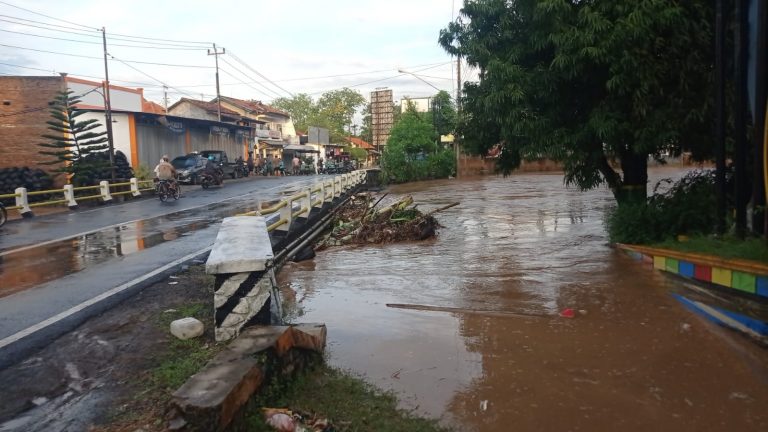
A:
x,y
381,116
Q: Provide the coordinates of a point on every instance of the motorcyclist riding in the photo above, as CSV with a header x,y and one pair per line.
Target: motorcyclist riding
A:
x,y
213,170
165,171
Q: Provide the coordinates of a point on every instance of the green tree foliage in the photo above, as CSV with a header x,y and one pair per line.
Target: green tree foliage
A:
x,y
443,113
301,107
333,111
587,83
358,154
72,141
411,152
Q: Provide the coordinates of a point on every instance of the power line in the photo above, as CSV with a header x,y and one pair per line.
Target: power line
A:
x,y
92,28
47,16
79,32
378,80
246,75
100,58
243,82
146,74
99,43
237,59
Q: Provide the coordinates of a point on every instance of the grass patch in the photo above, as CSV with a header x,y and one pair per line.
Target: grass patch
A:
x,y
184,358
753,249
347,401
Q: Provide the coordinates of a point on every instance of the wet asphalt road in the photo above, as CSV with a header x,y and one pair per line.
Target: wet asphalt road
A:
x,y
53,263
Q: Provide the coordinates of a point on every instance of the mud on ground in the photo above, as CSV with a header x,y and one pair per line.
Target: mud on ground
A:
x,y
106,375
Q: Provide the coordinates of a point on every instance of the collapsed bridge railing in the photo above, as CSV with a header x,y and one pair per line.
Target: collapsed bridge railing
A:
x,y
250,247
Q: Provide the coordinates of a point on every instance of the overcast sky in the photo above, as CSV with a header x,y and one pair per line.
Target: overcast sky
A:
x,y
291,42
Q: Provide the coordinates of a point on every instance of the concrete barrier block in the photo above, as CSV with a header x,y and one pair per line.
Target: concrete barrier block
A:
x,y
762,286
687,269
242,245
672,265
211,398
660,263
702,273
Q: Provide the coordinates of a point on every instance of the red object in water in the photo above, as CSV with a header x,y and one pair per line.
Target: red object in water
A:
x,y
567,313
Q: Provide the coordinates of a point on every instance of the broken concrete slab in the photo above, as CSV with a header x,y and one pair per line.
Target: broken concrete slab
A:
x,y
210,399
242,245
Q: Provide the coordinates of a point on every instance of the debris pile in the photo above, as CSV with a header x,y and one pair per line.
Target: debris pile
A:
x,y
360,222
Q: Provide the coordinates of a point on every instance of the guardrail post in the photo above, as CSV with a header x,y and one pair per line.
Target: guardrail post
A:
x,y
321,192
327,188
286,214
105,195
344,182
336,187
69,196
22,202
135,187
306,202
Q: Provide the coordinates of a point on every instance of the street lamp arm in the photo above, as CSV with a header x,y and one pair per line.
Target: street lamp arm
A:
x,y
418,77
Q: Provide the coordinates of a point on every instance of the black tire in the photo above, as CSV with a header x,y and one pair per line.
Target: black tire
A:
x,y
177,192
3,215
205,183
163,192
194,180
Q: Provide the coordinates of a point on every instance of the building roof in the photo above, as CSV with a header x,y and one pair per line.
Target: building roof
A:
x,y
359,142
211,107
254,106
151,107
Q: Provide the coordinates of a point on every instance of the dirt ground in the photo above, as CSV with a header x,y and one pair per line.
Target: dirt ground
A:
x,y
106,375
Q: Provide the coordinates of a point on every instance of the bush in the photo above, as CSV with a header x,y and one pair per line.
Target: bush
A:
x,y
688,207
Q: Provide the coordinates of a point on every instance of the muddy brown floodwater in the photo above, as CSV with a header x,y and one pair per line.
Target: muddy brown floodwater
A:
x,y
515,253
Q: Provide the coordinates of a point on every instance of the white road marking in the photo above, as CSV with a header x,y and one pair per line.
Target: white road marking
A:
x,y
73,310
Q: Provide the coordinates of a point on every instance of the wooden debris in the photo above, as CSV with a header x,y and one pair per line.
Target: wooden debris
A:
x,y
359,222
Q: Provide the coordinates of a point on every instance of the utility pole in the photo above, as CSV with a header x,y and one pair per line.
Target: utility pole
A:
x,y
458,112
218,95
108,107
165,97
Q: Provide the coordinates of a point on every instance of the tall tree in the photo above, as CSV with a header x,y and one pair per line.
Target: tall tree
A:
x,y
587,83
339,107
73,143
301,107
443,114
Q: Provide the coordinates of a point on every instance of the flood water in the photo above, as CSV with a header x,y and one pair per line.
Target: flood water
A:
x,y
511,256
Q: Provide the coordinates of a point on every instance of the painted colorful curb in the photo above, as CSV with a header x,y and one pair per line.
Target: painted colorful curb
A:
x,y
745,276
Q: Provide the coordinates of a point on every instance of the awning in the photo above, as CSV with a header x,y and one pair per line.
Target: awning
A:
x,y
298,148
272,142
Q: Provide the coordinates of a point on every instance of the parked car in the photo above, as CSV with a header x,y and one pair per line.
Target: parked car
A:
x,y
221,159
189,168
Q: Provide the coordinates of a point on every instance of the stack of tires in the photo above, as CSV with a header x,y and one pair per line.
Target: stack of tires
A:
x,y
123,170
32,179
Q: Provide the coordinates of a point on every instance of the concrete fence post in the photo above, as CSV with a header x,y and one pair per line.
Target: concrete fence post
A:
x,y
104,188
286,214
327,189
69,196
135,187
336,186
321,193
306,202
22,202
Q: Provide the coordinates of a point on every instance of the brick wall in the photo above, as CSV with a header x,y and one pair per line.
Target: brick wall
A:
x,y
20,134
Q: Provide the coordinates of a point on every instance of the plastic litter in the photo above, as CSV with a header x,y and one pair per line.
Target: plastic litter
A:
x,y
567,313
285,420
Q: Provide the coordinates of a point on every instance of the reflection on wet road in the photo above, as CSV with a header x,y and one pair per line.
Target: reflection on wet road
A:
x,y
29,266
633,358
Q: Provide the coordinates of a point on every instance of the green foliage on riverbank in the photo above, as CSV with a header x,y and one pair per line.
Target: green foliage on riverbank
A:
x,y
412,153
348,402
686,208
753,249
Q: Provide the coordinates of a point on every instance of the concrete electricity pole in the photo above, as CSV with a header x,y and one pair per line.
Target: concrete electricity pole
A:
x,y
218,94
108,108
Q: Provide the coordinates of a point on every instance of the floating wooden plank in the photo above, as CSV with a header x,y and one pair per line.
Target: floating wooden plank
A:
x,y
501,314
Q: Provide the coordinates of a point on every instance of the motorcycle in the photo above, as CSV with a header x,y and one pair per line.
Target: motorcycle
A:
x,y
208,180
241,170
165,191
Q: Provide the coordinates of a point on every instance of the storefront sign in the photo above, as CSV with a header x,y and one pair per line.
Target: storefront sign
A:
x,y
175,126
218,130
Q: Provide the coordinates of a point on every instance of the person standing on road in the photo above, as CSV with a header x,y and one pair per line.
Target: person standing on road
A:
x,y
249,163
269,165
296,164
